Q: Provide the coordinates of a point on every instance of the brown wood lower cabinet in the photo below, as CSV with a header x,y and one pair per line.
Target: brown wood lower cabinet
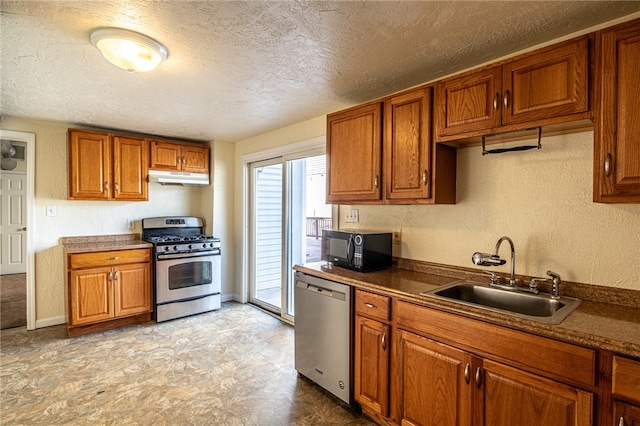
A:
x,y
435,384
108,289
626,414
447,370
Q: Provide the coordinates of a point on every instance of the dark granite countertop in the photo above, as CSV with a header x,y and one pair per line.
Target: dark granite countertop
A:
x,y
594,324
94,243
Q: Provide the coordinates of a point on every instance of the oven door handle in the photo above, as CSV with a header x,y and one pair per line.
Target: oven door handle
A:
x,y
215,252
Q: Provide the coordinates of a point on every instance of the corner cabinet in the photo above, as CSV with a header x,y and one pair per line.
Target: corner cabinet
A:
x,y
171,156
617,125
547,86
107,289
103,166
626,391
354,154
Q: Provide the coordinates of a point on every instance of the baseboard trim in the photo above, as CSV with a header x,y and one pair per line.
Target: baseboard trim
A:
x,y
48,322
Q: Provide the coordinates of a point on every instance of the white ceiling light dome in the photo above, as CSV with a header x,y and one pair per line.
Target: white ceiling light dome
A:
x,y
129,50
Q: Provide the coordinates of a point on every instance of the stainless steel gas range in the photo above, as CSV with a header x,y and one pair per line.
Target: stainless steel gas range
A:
x,y
187,276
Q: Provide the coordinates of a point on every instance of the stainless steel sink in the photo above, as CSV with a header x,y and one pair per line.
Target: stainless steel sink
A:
x,y
540,307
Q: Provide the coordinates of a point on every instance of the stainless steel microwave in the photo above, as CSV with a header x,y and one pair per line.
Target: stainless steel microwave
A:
x,y
357,249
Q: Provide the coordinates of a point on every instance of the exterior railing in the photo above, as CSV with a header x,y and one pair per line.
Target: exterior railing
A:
x,y
315,225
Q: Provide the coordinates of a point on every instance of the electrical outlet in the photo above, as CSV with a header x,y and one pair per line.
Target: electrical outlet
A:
x,y
397,236
131,224
351,216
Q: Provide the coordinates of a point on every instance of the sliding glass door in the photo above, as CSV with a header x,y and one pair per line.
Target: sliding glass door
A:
x,y
287,215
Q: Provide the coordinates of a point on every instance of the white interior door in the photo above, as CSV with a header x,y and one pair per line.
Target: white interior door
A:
x,y
13,223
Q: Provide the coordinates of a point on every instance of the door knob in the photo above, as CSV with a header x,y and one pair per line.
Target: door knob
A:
x,y
23,229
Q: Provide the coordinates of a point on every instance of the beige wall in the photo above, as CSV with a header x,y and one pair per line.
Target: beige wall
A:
x,y
76,218
541,199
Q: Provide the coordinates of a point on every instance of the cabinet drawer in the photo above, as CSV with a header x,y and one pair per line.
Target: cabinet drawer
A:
x,y
550,358
372,305
106,258
626,378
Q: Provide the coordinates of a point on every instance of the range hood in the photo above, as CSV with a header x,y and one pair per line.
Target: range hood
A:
x,y
178,178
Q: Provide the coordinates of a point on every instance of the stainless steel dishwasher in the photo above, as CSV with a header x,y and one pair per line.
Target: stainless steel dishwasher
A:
x,y
323,333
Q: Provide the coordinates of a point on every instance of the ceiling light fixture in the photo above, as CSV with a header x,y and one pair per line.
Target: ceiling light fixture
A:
x,y
128,50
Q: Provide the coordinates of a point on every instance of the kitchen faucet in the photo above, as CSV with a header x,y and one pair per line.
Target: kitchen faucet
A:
x,y
494,259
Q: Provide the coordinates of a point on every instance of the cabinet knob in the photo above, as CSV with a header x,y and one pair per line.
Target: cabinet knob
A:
x,y
506,100
607,165
370,306
496,101
467,373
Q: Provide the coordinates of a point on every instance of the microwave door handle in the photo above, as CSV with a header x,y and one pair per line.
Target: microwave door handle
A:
x,y
350,250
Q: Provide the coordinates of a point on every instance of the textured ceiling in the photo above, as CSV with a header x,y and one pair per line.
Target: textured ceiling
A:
x,y
241,68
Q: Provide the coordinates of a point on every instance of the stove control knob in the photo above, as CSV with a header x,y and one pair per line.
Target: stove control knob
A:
x,y
190,247
204,245
175,248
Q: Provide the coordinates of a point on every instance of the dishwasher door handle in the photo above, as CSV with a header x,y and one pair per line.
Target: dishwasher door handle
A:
x,y
301,285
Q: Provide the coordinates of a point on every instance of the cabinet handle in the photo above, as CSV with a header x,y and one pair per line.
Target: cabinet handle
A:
x,y
467,373
369,305
384,342
478,378
117,275
117,187
496,101
425,176
621,422
111,276
607,166
182,158
113,258
106,186
178,159
375,181
506,99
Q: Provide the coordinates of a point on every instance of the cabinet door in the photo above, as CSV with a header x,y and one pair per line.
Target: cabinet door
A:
x,y
354,154
436,384
407,146
130,168
468,103
165,156
513,397
89,165
551,84
195,159
91,296
626,414
132,289
617,125
371,366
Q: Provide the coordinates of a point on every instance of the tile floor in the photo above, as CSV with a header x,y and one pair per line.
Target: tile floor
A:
x,y
233,366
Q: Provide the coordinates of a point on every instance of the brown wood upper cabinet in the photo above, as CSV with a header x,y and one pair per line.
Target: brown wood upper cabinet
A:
x,y
547,86
617,125
104,166
361,145
173,156
354,154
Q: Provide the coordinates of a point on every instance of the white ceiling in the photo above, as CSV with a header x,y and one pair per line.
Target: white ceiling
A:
x,y
241,68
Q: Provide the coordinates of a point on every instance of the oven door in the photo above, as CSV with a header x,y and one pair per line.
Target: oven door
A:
x,y
187,276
